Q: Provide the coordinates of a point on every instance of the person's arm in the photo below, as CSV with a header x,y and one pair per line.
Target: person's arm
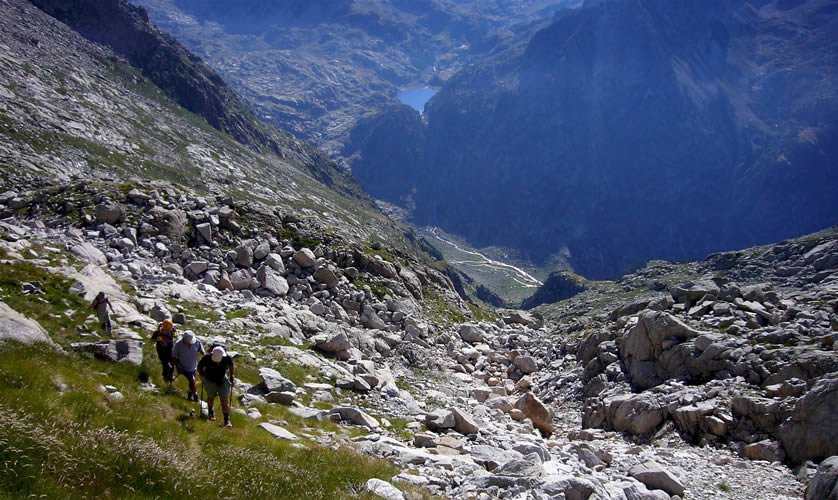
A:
x,y
155,334
201,369
111,306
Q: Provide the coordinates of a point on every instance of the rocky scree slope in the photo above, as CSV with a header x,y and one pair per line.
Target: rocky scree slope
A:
x,y
632,130
69,107
736,352
482,410
226,271
188,81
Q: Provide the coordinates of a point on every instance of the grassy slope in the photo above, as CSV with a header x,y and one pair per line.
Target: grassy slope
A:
x,y
61,436
78,443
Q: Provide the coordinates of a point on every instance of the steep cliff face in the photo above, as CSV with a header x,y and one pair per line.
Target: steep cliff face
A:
x,y
636,129
394,137
186,79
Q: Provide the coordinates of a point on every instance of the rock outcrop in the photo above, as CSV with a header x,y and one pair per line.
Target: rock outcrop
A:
x,y
18,328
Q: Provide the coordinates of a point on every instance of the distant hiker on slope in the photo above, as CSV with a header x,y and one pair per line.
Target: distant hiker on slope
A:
x,y
185,360
101,304
213,369
165,337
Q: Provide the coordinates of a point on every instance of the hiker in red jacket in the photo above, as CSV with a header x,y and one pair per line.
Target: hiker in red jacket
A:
x,y
165,337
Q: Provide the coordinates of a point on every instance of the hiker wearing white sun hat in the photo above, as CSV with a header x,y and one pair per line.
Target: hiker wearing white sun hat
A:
x,y
213,369
185,359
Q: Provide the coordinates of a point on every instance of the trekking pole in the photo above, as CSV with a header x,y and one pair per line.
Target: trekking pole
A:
x,y
230,402
201,401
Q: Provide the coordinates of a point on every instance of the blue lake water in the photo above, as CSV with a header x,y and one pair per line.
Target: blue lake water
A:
x,y
416,98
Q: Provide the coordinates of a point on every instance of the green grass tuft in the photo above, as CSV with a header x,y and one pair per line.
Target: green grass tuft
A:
x,y
441,310
239,313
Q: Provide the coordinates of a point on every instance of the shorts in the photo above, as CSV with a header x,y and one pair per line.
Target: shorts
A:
x,y
214,389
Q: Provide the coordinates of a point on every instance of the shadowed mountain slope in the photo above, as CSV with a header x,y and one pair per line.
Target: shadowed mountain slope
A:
x,y
630,130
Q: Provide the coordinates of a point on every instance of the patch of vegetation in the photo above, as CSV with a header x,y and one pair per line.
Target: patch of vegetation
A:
x,y
246,367
398,426
724,487
403,384
196,310
378,289
78,443
299,240
297,373
239,313
383,253
57,310
440,310
811,242
480,314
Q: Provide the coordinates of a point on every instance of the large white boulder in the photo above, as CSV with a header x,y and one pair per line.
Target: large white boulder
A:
x,y
18,328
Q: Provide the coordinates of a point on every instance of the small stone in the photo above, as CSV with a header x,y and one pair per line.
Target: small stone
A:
x,y
272,381
109,213
205,231
383,489
326,276
356,416
274,261
527,364
244,256
472,333
656,477
278,432
464,423
768,450
261,251
517,414
198,267
281,398
440,419
425,440
305,258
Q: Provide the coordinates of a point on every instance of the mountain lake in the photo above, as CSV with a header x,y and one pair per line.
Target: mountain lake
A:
x,y
416,97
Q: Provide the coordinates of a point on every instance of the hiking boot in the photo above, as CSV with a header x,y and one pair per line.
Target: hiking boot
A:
x,y
211,415
228,424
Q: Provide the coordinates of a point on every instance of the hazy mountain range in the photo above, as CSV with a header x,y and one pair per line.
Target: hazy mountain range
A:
x,y
607,135
629,130
316,67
